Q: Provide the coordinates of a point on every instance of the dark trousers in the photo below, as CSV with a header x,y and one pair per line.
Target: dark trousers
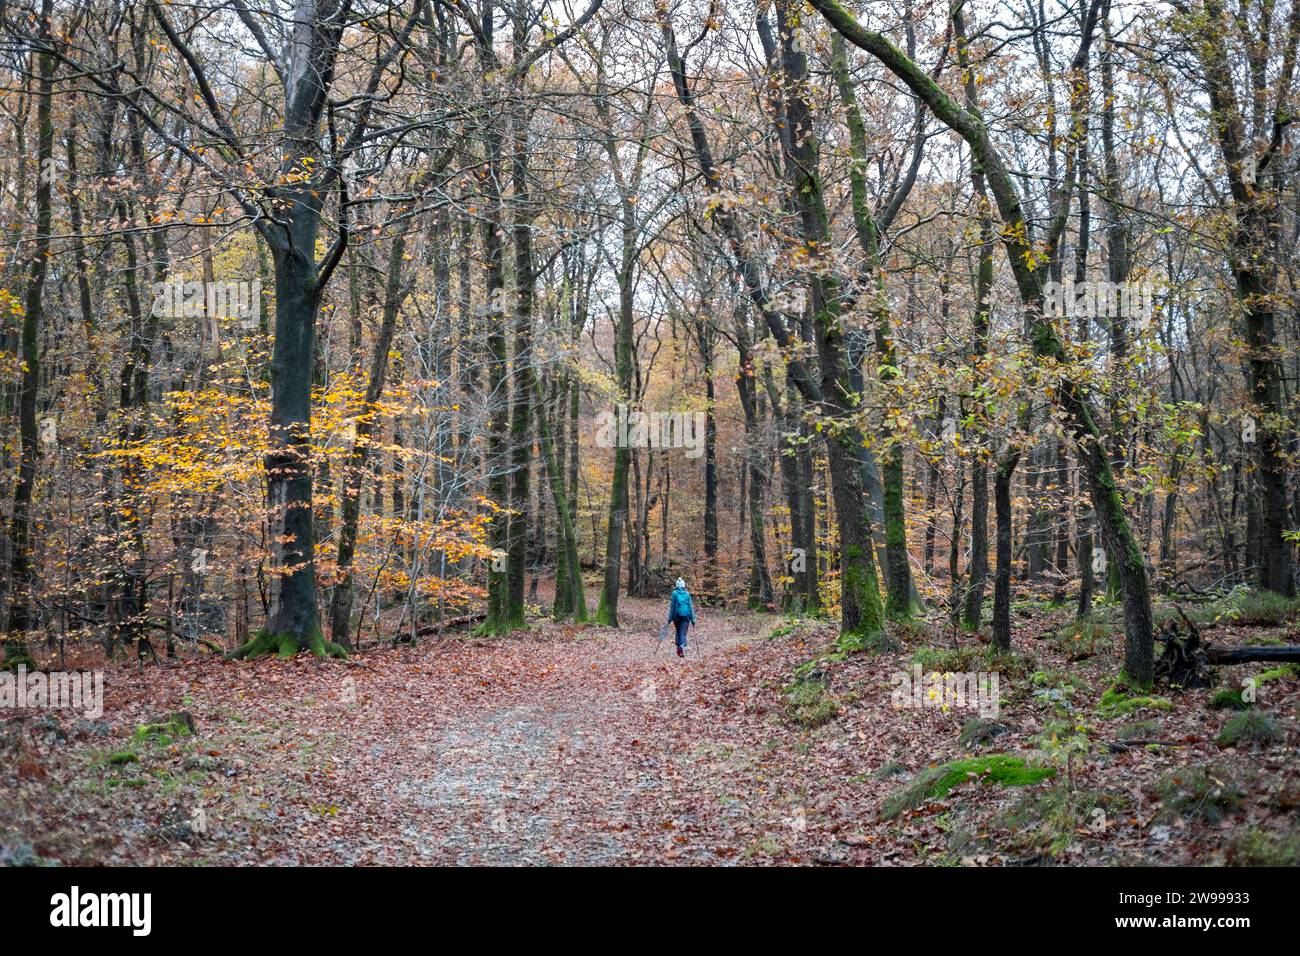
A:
x,y
682,627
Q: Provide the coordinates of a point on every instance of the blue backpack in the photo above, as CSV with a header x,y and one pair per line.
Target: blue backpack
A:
x,y
681,605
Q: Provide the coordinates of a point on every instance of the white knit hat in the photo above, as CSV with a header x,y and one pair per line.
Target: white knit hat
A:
x,y
681,582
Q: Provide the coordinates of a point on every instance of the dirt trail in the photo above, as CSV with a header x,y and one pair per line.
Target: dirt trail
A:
x,y
533,780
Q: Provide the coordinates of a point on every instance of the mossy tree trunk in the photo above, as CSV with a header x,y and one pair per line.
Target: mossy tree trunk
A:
x,y
901,602
294,624
570,599
1005,555
861,609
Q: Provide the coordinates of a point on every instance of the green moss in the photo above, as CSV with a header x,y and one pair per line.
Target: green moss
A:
x,y
1277,673
1120,700
164,733
1263,640
858,577
121,758
1251,726
937,781
284,646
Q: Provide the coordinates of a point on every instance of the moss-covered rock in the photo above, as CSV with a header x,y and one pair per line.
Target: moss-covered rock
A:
x,y
1120,699
937,781
166,730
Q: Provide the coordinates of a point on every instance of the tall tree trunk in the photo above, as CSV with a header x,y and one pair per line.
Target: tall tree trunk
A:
x,y
520,414
357,470
20,567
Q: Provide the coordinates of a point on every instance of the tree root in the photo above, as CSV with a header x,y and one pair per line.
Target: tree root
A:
x,y
284,646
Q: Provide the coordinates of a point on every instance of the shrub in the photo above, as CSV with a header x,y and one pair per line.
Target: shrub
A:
x,y
967,659
947,659
1209,793
1227,698
1139,730
1264,848
1265,608
877,642
1049,821
1251,726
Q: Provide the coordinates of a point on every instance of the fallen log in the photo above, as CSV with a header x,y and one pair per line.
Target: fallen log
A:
x,y
1246,655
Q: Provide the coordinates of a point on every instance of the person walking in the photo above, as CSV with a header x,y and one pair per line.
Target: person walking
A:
x,y
681,612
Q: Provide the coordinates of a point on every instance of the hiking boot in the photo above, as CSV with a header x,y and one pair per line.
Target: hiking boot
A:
x,y
680,652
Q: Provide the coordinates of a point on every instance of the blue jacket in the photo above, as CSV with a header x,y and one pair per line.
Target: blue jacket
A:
x,y
680,607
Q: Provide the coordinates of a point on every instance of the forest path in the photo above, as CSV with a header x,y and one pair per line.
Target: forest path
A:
x,y
567,766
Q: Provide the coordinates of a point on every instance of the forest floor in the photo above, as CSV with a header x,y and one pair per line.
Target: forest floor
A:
x,y
597,746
